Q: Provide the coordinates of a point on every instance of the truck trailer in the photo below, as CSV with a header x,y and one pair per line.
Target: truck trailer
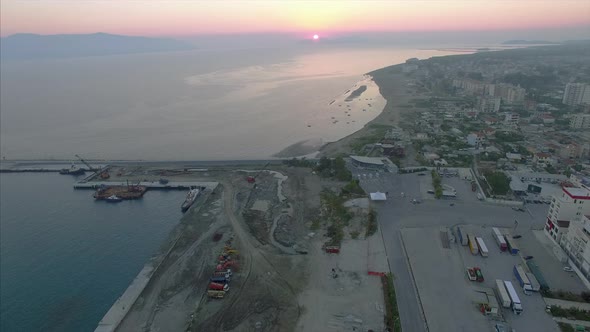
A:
x,y
499,239
503,294
537,273
473,244
516,304
483,249
216,294
535,286
512,247
462,236
523,280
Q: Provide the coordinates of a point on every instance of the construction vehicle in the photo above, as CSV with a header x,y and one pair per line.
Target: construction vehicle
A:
x,y
478,274
252,179
216,294
219,287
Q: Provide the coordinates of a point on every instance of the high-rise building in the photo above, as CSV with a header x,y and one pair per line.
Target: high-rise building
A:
x,y
569,206
576,94
580,121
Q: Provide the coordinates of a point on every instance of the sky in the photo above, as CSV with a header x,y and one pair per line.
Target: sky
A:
x,y
305,18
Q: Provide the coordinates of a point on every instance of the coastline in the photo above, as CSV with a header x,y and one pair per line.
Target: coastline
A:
x,y
394,91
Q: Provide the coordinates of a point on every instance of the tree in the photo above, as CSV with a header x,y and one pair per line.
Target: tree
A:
x,y
499,182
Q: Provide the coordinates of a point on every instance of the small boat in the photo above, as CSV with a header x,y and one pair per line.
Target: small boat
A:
x,y
113,199
190,199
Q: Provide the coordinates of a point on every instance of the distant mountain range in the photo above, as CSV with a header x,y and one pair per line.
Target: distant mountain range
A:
x,y
528,42
32,46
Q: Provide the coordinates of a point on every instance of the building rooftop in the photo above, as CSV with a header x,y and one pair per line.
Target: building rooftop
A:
x,y
368,160
577,193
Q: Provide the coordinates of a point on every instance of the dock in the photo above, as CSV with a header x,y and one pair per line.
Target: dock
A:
x,y
150,185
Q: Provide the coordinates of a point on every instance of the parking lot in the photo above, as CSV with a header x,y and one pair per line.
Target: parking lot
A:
x,y
397,215
448,296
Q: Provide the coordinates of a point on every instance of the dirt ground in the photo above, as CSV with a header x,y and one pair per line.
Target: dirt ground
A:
x,y
282,281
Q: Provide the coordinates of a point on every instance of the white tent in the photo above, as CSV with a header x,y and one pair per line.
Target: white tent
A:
x,y
378,196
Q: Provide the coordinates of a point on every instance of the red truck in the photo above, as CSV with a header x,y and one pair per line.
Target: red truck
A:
x,y
218,286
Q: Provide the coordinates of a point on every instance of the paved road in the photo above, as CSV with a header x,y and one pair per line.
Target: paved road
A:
x,y
398,212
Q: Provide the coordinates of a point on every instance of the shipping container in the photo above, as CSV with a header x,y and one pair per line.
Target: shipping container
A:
x,y
462,236
216,294
483,249
535,286
511,245
516,304
503,294
473,244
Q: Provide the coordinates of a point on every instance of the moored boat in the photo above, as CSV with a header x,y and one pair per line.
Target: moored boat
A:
x,y
190,199
113,199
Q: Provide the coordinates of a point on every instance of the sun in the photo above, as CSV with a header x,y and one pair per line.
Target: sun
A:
x,y
316,37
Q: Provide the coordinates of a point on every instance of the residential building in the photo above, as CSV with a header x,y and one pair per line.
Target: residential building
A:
x,y
576,94
576,244
511,118
543,159
571,205
547,118
489,104
509,93
570,151
475,139
580,121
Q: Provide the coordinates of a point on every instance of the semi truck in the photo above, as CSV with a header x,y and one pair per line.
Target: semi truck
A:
x,y
483,249
499,239
537,273
219,287
512,247
503,294
473,244
516,304
523,280
462,236
221,279
535,286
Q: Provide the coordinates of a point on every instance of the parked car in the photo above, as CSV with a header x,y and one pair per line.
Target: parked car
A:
x,y
516,236
421,174
528,257
568,269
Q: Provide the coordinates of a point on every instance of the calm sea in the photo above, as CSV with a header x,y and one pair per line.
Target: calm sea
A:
x,y
66,258
198,105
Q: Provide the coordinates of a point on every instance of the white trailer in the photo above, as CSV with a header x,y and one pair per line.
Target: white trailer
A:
x,y
535,286
503,294
516,304
483,249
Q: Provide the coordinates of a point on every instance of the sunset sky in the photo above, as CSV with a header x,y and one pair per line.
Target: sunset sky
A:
x,y
186,17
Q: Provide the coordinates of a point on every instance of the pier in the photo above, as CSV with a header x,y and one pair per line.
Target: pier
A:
x,y
150,185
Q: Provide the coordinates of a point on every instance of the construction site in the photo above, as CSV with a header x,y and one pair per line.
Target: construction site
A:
x,y
255,252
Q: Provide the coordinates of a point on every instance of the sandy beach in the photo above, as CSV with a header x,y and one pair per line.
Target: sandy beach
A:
x,y
347,113
395,86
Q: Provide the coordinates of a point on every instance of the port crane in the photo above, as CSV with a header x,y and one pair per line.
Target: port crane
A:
x,y
103,175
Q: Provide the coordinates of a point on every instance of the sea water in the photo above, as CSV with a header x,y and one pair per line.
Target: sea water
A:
x,y
66,258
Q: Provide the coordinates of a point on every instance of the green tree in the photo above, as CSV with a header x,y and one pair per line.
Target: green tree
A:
x,y
499,182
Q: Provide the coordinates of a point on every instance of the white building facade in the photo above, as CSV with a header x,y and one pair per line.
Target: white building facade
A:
x,y
576,94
